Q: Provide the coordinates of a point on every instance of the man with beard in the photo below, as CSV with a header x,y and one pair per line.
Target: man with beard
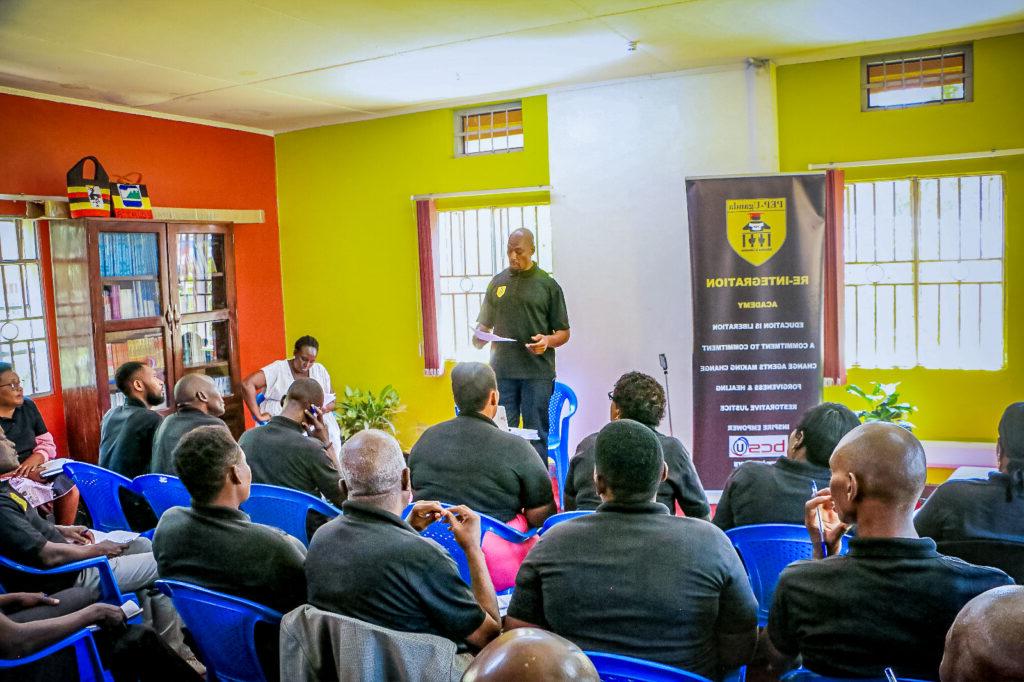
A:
x,y
126,434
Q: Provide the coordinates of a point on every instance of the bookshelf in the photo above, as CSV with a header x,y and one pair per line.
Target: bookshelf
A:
x,y
159,293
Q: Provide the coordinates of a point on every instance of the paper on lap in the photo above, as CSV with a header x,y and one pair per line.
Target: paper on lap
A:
x,y
119,536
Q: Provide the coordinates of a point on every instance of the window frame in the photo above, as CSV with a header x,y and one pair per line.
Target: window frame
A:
x,y
460,134
966,48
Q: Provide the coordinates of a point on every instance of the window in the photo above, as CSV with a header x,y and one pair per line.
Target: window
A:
x,y
22,315
489,130
471,250
893,81
924,273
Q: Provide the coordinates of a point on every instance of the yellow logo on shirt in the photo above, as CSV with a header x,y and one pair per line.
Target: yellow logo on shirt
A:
x,y
500,291
20,500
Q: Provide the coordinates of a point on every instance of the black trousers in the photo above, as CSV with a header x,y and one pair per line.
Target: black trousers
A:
x,y
529,399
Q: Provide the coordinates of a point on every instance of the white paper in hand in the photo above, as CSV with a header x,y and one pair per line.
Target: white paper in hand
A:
x,y
131,609
120,536
489,336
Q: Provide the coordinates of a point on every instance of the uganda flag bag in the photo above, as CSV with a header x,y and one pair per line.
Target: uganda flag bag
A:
x,y
89,198
131,200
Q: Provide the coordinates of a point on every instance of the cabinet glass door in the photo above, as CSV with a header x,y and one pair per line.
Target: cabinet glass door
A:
x,y
201,278
206,349
139,345
130,275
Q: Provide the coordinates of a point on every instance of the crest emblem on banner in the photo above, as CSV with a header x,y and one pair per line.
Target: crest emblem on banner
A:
x,y
755,228
500,291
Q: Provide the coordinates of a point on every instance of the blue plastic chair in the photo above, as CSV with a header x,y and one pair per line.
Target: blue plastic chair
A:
x,y
224,629
558,433
439,533
615,668
162,492
90,668
805,675
285,508
556,519
109,591
100,489
766,549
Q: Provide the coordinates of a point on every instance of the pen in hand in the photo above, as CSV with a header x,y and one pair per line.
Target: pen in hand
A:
x,y
821,526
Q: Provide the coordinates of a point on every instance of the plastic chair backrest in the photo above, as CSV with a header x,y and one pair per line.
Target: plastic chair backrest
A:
x,y
556,519
1006,556
805,675
285,508
162,491
558,433
766,549
87,658
223,627
100,489
614,668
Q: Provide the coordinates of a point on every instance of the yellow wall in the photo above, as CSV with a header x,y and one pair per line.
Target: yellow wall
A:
x,y
348,241
820,121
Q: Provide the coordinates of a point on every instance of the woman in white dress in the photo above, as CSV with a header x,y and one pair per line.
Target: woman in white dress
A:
x,y
274,379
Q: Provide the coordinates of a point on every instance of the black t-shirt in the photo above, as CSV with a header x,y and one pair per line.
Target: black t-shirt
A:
x,y
22,536
280,453
23,426
252,561
171,431
972,510
469,460
636,581
519,305
757,492
887,603
371,565
683,484
126,438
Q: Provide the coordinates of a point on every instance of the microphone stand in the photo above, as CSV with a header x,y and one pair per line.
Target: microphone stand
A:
x,y
668,397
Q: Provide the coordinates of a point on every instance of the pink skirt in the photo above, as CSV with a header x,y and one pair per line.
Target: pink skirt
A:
x,y
503,557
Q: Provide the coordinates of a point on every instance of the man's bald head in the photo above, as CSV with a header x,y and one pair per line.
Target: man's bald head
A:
x,y
522,235
200,392
887,461
372,464
530,655
306,392
984,643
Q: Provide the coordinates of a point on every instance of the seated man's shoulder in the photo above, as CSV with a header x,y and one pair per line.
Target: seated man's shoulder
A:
x,y
960,569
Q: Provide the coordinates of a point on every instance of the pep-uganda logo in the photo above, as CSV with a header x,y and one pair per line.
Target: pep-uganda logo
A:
x,y
741,447
755,228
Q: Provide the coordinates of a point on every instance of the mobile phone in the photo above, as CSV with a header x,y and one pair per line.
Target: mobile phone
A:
x,y
315,410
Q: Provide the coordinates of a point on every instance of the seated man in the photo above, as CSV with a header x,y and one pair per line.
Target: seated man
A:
x,y
634,580
891,599
991,509
641,398
984,644
126,433
758,492
29,539
281,453
531,655
198,403
371,565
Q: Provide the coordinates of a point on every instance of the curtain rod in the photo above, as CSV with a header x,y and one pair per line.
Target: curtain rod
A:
x,y
481,192
917,159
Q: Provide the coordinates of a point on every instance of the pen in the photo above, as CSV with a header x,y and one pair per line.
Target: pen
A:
x,y
821,526
890,676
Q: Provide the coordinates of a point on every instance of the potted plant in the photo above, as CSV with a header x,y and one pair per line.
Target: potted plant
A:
x,y
358,410
884,404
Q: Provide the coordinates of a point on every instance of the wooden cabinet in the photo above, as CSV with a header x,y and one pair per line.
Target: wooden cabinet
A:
x,y
158,293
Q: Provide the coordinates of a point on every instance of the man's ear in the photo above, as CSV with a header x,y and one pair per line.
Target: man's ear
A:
x,y
233,476
202,397
138,385
494,397
854,486
600,483
406,480
343,487
664,472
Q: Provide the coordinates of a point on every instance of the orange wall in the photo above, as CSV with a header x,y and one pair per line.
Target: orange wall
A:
x,y
184,165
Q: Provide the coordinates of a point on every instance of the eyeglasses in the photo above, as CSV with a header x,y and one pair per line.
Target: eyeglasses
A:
x,y
610,396
14,385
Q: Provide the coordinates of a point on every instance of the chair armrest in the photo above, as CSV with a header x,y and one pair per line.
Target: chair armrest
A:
x,y
506,533
69,641
109,591
739,675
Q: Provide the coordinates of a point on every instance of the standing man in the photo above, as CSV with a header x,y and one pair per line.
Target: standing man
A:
x,y
524,303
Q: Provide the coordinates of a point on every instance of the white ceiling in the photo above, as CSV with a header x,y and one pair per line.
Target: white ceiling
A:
x,y
287,64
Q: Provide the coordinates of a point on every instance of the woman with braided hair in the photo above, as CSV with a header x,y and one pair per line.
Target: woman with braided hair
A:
x,y
991,508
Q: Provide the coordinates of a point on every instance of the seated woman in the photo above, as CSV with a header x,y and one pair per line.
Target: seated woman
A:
x,y
23,425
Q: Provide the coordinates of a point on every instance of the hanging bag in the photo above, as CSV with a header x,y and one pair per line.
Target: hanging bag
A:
x,y
131,200
89,198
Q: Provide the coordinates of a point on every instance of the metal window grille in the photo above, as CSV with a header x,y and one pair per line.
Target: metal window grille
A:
x,y
924,273
472,246
489,130
23,341
895,81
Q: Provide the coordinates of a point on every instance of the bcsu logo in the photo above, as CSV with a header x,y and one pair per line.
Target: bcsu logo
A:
x,y
757,446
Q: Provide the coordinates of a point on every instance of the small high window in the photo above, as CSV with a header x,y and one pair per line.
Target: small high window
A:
x,y
905,79
489,130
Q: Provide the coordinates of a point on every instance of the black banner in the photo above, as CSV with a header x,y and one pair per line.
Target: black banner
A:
x,y
756,256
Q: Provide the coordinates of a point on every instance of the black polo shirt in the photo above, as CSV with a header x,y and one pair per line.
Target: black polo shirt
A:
x,y
126,438
371,565
887,603
636,581
280,453
683,484
171,431
23,532
519,305
221,549
22,427
469,460
757,492
972,510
